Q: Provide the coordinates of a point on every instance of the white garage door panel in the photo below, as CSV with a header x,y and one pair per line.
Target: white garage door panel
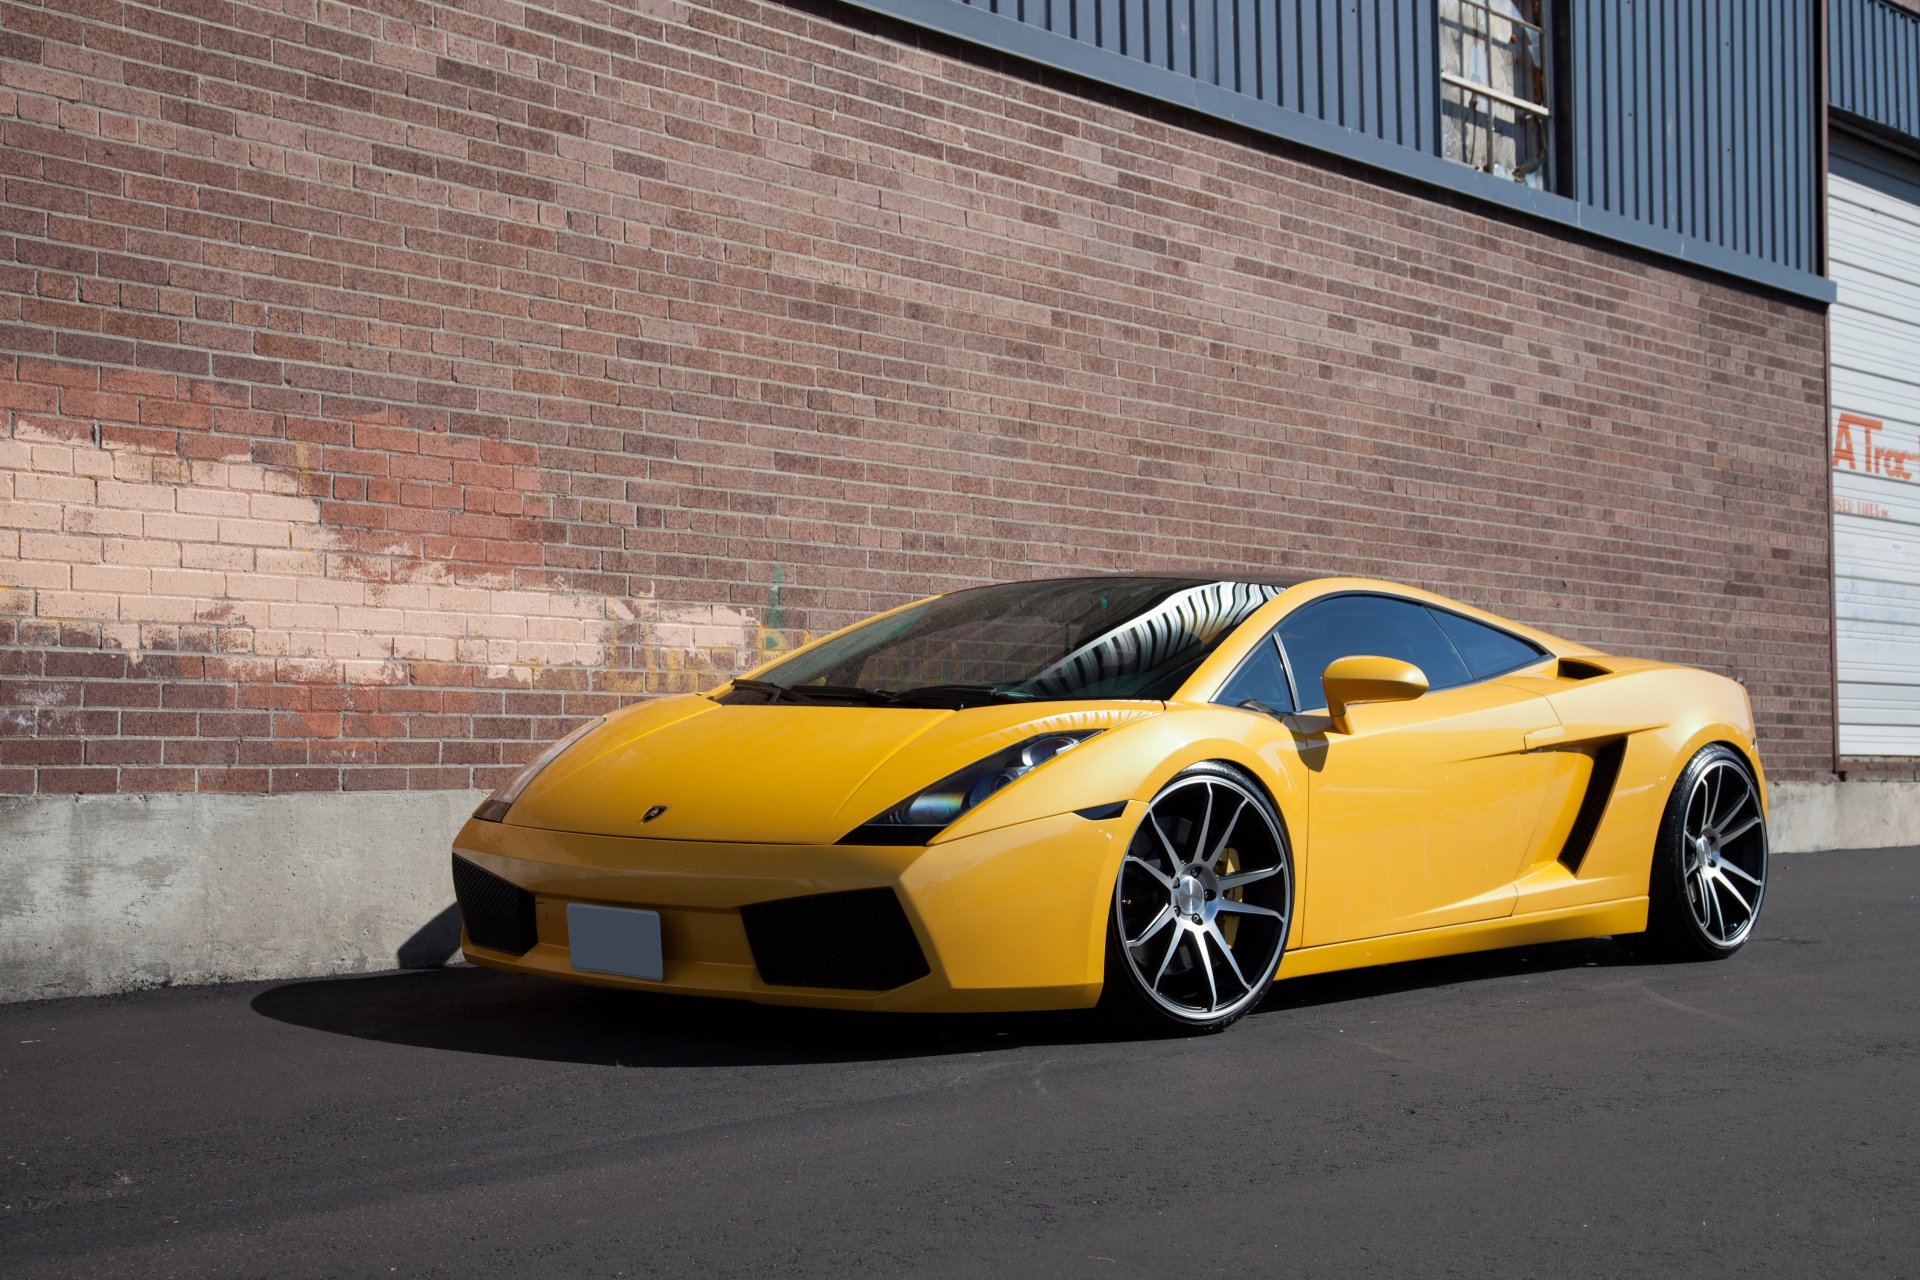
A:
x,y
1874,249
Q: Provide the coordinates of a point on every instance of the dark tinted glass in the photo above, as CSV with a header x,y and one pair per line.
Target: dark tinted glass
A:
x,y
1488,650
1348,625
1068,638
1261,678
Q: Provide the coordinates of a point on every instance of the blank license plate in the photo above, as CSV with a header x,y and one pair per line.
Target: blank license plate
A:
x,y
615,940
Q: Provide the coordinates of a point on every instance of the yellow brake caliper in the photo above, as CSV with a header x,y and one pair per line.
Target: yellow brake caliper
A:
x,y
1230,923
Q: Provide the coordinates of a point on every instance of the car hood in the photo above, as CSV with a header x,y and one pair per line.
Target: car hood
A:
x,y
774,774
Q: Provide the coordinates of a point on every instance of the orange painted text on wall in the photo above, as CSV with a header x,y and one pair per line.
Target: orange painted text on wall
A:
x,y
1856,448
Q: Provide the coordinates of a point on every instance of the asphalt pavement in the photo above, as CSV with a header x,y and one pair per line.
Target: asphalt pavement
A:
x,y
1554,1111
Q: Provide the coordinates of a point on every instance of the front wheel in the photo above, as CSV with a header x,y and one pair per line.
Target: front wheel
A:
x,y
1710,865
1201,905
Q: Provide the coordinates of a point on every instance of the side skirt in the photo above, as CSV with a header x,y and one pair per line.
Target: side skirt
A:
x,y
1623,915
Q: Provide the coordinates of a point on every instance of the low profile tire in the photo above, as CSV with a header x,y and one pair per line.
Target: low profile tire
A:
x,y
1201,906
1710,864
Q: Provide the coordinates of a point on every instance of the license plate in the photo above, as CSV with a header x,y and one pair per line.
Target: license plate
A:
x,y
615,940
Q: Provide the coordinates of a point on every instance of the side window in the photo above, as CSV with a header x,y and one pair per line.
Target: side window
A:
x,y
1348,625
1489,651
1261,678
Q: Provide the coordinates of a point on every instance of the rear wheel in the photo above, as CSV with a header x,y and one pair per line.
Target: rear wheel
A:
x,y
1201,905
1710,865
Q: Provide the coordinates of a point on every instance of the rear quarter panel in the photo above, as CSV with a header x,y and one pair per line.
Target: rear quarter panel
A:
x,y
1666,714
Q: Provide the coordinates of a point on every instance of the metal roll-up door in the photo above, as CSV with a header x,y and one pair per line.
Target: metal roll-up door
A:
x,y
1874,250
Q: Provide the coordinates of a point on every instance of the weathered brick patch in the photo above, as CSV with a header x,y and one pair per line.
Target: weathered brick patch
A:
x,y
233,617
387,388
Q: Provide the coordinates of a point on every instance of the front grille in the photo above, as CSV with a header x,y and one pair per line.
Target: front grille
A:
x,y
497,912
860,940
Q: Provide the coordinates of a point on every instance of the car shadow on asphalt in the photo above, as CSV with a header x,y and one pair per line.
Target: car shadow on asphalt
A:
x,y
469,1010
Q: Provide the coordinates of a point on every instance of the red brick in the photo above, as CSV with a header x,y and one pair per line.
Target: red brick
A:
x,y
78,781
233,781
138,780
304,779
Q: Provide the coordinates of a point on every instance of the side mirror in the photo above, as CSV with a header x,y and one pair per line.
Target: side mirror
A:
x,y
1363,678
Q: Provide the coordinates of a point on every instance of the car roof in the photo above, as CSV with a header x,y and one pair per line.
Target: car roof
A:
x,y
1279,582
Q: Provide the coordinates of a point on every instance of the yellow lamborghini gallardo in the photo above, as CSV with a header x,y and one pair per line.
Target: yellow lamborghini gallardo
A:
x,y
1157,794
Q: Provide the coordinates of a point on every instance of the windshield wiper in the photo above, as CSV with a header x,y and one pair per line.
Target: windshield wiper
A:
x,y
940,695
811,693
846,692
774,692
959,695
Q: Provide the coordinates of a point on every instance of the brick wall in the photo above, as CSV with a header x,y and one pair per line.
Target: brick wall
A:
x,y
388,387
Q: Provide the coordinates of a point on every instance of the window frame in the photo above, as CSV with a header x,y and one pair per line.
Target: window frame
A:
x,y
1554,112
1541,653
1272,637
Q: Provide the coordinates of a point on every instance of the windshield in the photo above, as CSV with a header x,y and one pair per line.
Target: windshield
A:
x,y
1062,639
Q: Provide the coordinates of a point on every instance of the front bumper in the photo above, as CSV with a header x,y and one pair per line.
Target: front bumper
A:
x,y
1008,919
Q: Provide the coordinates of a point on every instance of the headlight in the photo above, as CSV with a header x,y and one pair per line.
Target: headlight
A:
x,y
926,812
494,807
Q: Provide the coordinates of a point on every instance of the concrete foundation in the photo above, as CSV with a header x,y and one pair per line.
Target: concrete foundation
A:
x,y
1853,814
113,893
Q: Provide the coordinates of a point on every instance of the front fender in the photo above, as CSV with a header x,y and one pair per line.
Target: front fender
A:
x,y
1134,761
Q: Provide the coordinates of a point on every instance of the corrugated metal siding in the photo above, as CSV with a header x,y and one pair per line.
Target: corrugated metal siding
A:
x,y
1873,64
1367,65
1874,245
1694,119
1699,117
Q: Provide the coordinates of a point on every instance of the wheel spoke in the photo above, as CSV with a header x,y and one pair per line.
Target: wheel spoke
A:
x,y
1722,818
1723,883
1713,805
1744,827
1206,823
1742,872
1173,945
1166,881
1213,927
1713,900
1689,827
1702,910
1226,834
1173,858
1248,909
1166,914
1239,878
1206,965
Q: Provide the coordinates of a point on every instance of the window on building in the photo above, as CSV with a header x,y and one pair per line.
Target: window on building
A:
x,y
1494,94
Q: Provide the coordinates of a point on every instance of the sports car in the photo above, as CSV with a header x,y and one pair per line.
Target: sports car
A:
x,y
1154,794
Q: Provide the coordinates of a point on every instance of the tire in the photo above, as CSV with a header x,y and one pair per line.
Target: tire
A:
x,y
1709,873
1201,906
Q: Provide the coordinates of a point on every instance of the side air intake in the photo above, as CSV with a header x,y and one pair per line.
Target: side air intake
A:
x,y
1581,669
1593,805
859,940
498,913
